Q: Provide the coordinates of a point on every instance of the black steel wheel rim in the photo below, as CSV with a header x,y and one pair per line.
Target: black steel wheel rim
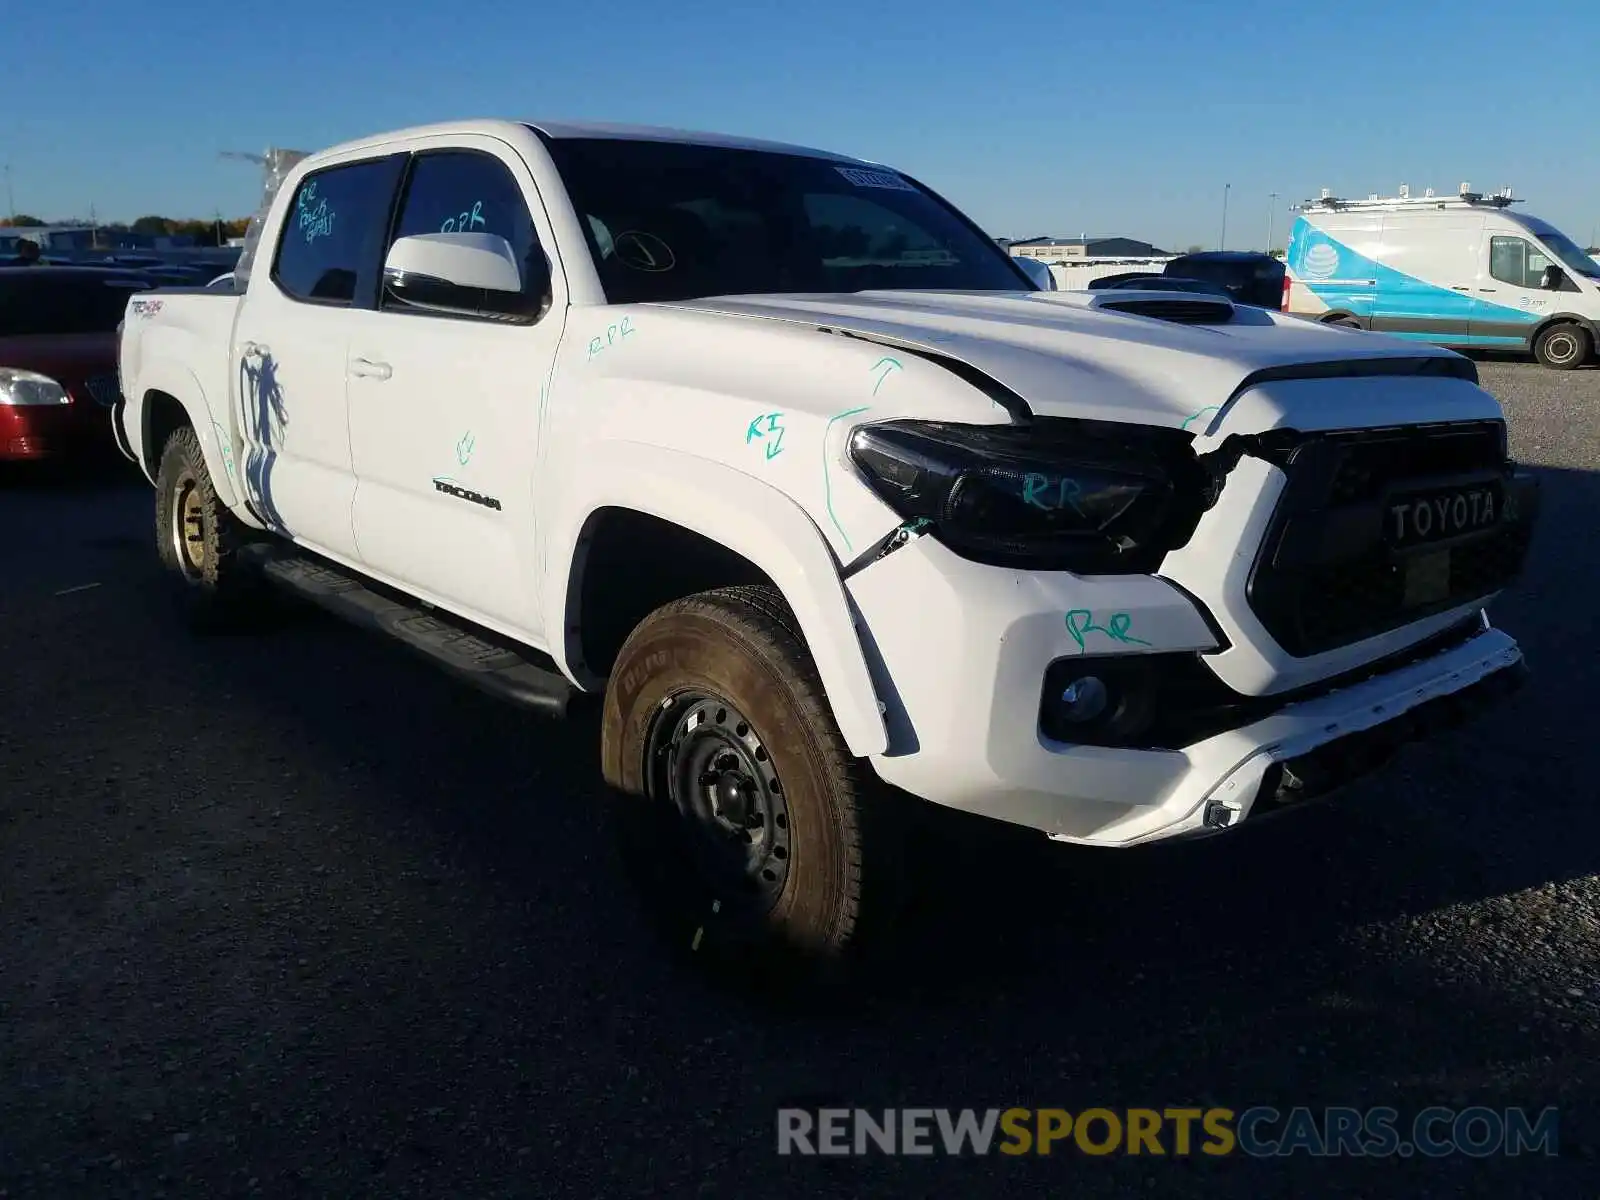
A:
x,y
710,763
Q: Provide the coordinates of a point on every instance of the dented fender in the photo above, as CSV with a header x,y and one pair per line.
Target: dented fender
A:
x,y
745,515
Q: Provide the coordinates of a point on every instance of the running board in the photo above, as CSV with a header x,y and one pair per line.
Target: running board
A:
x,y
507,674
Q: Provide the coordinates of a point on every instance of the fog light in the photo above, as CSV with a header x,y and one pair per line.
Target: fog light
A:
x,y
1084,699
1106,701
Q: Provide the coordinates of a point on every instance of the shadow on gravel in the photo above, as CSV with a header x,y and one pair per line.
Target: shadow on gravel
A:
x,y
463,942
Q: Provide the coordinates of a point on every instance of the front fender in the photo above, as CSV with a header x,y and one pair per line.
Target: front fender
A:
x,y
216,442
748,517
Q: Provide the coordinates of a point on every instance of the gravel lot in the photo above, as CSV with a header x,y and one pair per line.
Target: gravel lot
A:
x,y
259,937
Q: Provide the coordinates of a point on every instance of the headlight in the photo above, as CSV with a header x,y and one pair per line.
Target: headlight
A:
x,y
26,387
1053,495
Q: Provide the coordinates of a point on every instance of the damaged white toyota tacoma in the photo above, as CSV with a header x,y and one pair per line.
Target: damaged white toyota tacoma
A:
x,y
780,458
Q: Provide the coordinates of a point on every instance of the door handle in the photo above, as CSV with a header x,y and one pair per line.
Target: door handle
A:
x,y
366,368
1488,289
1459,288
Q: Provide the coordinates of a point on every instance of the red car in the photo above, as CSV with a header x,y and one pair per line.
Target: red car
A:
x,y
58,357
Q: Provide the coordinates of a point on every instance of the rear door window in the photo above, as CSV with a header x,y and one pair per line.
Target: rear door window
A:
x,y
334,223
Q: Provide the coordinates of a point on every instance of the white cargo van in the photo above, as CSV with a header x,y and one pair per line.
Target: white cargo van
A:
x,y
1462,271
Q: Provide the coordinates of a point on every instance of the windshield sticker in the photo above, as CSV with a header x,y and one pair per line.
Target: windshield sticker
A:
x,y
875,179
465,221
314,217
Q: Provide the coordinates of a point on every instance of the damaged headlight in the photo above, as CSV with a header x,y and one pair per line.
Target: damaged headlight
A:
x,y
1052,495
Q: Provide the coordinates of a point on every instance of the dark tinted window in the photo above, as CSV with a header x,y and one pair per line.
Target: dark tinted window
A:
x,y
42,301
670,221
1253,279
462,192
328,230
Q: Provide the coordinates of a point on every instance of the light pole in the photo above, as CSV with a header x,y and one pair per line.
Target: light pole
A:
x,y
1225,189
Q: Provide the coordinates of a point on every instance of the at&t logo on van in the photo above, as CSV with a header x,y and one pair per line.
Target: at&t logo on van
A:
x,y
1321,261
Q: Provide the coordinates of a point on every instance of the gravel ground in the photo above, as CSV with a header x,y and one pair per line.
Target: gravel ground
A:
x,y
259,938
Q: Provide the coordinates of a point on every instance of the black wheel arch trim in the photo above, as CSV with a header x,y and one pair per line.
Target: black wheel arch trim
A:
x,y
1567,318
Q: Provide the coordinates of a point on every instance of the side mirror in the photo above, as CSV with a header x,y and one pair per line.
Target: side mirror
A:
x,y
470,274
1554,278
1037,271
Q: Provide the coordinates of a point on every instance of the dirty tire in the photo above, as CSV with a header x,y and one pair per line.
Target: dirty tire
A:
x,y
739,651
1563,347
198,541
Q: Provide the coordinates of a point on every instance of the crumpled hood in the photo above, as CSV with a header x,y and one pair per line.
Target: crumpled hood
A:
x,y
1066,358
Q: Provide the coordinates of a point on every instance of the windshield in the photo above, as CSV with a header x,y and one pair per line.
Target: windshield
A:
x,y
672,221
1564,249
36,301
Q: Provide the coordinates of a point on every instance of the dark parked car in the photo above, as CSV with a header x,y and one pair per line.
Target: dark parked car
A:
x,y
1249,277
58,357
1143,281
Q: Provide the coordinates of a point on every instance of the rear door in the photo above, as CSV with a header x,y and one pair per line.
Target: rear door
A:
x,y
1427,276
288,352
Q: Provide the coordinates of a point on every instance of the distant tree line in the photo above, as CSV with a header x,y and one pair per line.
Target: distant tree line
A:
x,y
214,232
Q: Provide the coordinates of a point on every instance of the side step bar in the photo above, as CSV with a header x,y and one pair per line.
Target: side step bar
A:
x,y
515,675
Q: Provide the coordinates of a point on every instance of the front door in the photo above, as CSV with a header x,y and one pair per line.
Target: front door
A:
x,y
288,354
1511,295
445,409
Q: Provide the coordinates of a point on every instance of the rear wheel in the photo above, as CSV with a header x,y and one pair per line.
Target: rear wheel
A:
x,y
1563,347
198,540
759,842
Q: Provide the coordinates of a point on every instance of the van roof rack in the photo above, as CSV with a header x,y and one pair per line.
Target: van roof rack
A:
x,y
1465,197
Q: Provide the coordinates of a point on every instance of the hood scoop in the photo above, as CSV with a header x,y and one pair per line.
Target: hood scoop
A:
x,y
1181,308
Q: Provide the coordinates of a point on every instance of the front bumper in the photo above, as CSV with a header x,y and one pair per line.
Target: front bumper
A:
x,y
960,674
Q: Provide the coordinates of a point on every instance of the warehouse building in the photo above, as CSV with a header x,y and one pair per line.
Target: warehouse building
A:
x,y
1068,249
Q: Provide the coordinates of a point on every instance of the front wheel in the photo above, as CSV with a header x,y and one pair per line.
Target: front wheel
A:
x,y
1563,347
758,840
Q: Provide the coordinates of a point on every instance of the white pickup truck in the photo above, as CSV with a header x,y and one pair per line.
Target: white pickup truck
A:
x,y
777,454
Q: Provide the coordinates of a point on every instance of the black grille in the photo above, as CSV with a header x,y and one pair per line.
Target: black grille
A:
x,y
103,389
1330,574
1184,312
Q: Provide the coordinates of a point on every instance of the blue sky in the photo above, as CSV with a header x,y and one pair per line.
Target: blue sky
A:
x,y
1067,118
